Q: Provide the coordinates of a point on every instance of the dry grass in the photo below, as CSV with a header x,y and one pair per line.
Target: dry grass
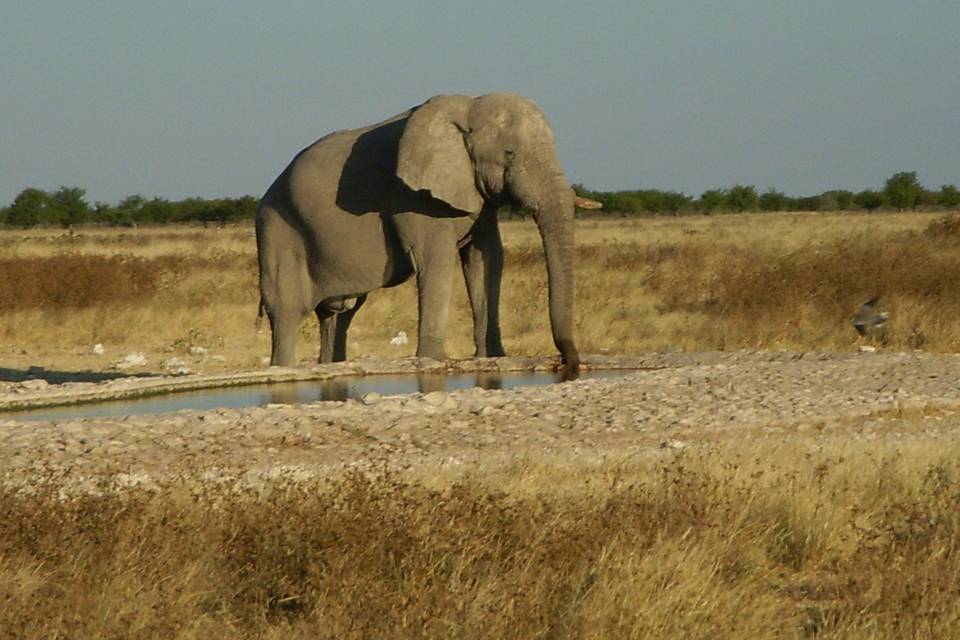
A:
x,y
769,540
149,290
771,281
763,538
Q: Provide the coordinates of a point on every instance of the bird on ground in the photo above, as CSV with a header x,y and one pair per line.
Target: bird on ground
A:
x,y
867,318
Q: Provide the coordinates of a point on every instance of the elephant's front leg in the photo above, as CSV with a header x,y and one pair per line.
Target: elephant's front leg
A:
x,y
435,263
482,261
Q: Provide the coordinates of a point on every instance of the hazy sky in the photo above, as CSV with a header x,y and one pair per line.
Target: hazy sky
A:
x,y
178,99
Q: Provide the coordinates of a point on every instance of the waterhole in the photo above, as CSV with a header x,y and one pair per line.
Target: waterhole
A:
x,y
344,388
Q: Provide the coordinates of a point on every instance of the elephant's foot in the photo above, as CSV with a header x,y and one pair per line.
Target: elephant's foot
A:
x,y
431,349
569,355
282,362
496,352
283,347
283,357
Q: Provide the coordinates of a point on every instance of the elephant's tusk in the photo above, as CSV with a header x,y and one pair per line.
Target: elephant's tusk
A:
x,y
586,203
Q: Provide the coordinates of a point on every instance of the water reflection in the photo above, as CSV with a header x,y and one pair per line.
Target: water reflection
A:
x,y
302,392
337,389
284,395
489,380
427,383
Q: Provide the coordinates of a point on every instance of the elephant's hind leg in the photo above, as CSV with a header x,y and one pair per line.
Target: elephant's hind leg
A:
x,y
335,320
286,290
343,321
328,323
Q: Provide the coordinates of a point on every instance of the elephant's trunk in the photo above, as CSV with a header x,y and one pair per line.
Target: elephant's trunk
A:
x,y
555,219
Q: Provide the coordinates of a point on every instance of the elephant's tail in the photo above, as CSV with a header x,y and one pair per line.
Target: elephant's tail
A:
x,y
261,312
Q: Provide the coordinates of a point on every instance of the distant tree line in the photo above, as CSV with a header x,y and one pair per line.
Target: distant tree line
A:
x,y
68,206
901,191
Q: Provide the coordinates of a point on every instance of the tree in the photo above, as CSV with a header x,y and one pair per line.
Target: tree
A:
x,y
949,197
742,198
70,206
159,211
927,198
624,202
246,207
712,199
652,200
835,200
902,190
674,201
772,200
807,203
868,199
28,208
844,199
132,204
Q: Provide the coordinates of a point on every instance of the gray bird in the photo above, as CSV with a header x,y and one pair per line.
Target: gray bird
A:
x,y
868,318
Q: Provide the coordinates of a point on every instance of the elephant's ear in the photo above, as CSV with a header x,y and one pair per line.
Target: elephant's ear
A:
x,y
433,155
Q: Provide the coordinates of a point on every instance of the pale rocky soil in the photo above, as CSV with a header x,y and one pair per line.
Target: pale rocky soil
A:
x,y
677,401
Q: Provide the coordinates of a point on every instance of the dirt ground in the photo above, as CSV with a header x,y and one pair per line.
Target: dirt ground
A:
x,y
675,401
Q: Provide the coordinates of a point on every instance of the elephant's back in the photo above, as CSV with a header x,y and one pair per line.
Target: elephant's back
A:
x,y
313,176
353,171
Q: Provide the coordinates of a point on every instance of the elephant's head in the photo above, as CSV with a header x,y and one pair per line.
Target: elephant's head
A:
x,y
496,149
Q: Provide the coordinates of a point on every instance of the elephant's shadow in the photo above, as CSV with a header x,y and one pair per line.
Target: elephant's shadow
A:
x,y
62,377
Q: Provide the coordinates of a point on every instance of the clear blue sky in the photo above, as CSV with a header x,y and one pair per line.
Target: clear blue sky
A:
x,y
178,99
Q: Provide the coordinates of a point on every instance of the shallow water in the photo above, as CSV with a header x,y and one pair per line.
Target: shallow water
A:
x,y
298,392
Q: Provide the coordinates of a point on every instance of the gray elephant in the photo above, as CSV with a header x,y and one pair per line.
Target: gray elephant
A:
x,y
369,208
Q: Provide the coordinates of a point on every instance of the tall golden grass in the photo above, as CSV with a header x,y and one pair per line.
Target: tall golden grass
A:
x,y
764,281
766,540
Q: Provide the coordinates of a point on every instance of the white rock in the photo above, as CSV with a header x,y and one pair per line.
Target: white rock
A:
x,y
198,350
400,339
34,385
673,444
132,359
97,349
866,348
176,366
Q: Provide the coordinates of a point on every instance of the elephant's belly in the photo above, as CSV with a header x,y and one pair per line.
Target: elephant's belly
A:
x,y
358,258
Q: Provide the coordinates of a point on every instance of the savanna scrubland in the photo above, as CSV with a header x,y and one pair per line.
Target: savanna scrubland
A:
x,y
748,281
738,536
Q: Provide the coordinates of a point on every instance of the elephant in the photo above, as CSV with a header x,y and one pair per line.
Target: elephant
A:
x,y
369,208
